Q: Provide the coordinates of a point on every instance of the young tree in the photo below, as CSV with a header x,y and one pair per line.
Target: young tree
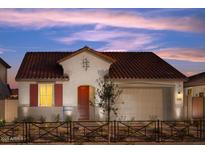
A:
x,y
107,94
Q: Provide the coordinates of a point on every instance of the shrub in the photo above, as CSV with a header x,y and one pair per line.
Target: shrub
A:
x,y
68,118
28,119
182,133
2,122
42,119
153,117
57,119
16,120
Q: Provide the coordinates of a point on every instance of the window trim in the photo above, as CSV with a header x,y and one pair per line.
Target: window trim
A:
x,y
53,94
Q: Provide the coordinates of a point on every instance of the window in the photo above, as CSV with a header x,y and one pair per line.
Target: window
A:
x,y
46,95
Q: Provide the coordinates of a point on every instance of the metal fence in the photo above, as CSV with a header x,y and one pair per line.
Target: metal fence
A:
x,y
79,132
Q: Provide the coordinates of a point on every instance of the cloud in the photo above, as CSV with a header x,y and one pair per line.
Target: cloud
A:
x,y
112,39
140,43
43,18
189,73
94,35
2,50
185,54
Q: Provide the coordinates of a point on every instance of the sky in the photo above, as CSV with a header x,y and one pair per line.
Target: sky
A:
x,y
176,35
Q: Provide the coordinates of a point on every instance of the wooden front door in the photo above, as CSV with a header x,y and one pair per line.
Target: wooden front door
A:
x,y
83,102
197,107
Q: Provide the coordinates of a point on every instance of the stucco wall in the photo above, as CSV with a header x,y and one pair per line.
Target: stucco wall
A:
x,y
195,90
2,109
8,109
3,73
78,76
24,93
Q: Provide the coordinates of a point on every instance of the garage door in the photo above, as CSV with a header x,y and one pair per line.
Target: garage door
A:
x,y
141,103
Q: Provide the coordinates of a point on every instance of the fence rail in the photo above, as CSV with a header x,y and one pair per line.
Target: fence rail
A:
x,y
102,131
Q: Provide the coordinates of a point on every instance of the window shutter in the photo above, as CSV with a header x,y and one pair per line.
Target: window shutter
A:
x,y
58,94
33,94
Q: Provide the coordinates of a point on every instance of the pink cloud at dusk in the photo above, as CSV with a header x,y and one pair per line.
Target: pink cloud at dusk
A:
x,y
185,54
189,73
42,18
114,39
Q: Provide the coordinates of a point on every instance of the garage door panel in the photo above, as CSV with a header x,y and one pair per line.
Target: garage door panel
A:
x,y
141,103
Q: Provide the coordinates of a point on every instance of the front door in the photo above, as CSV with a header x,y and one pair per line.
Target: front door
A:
x,y
83,102
197,107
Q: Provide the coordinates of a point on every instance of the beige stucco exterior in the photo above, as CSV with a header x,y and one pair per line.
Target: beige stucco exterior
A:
x,y
3,73
195,92
8,109
143,99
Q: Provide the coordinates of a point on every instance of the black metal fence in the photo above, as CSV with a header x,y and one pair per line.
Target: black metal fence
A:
x,y
79,132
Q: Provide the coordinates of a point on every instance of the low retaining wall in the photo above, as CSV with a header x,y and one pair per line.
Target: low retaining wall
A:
x,y
49,113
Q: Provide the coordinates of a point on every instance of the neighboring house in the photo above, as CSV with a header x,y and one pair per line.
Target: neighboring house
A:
x,y
194,89
8,108
63,83
4,87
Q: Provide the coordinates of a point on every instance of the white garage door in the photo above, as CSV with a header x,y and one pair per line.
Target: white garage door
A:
x,y
141,103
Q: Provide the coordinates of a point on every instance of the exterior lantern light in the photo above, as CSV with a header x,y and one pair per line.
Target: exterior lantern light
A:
x,y
179,97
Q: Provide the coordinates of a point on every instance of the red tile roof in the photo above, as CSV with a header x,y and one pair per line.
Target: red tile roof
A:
x,y
195,80
42,65
127,65
99,54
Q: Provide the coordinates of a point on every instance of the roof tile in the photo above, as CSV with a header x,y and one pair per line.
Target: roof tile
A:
x,y
127,65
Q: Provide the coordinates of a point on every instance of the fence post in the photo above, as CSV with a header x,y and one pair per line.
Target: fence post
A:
x,y
67,131
201,129
113,130
26,132
71,132
114,137
158,131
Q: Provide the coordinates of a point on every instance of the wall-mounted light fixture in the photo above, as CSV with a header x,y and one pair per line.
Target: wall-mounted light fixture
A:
x,y
179,96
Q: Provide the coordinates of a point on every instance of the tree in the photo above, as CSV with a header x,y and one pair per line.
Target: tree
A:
x,y
107,94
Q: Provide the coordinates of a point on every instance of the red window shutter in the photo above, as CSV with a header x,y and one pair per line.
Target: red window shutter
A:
x,y
33,94
58,94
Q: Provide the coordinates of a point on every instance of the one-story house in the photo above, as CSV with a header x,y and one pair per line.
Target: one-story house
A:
x,y
194,102
63,83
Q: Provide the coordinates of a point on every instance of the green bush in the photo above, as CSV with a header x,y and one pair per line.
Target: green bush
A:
x,y
42,119
28,119
2,122
16,120
68,118
57,119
